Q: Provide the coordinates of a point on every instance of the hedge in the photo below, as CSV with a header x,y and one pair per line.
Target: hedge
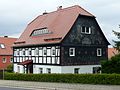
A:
x,y
108,79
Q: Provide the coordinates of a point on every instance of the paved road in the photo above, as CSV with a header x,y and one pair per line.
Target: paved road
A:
x,y
54,86
8,88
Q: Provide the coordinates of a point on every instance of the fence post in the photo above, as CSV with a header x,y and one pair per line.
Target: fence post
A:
x,y
3,73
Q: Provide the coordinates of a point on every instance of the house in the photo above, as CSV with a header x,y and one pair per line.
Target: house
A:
x,y
68,40
6,52
112,52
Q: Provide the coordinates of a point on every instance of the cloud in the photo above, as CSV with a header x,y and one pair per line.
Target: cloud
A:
x,y
16,14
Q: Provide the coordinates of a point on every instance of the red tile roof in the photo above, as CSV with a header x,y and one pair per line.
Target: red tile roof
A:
x,y
59,22
7,42
112,52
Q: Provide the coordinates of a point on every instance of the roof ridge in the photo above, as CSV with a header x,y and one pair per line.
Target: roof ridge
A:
x,y
59,11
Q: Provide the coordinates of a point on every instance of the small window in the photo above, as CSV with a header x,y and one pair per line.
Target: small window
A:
x,y
4,60
76,70
99,52
11,60
41,70
36,51
18,53
53,51
23,52
44,51
48,70
2,46
72,52
83,29
30,52
86,30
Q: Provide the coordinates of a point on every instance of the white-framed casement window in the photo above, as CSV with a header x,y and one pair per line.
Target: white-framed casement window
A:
x,y
40,70
48,70
53,51
76,70
11,60
71,51
4,60
99,52
2,46
44,51
86,30
36,51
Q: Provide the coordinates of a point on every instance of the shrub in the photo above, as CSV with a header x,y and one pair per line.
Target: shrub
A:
x,y
111,79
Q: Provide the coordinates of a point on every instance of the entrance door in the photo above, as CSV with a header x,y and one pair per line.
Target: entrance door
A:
x,y
30,68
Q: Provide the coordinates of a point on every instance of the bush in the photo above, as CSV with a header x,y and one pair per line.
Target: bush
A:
x,y
111,79
112,65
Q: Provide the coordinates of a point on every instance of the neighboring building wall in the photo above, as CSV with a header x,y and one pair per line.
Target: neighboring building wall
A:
x,y
5,61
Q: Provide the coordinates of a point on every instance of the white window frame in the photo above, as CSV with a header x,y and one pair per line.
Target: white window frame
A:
x,y
48,70
86,30
11,60
2,46
99,52
40,70
4,60
72,50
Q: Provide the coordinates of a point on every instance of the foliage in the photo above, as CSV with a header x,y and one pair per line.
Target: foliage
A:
x,y
112,65
10,68
117,43
110,79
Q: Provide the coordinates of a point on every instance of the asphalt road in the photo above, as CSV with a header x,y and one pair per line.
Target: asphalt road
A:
x,y
8,88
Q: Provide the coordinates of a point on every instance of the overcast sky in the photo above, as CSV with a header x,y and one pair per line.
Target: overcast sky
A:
x,y
16,14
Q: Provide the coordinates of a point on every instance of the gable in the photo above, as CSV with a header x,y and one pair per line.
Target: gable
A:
x,y
92,36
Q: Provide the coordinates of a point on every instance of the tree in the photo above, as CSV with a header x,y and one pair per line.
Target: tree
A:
x,y
10,68
117,43
112,65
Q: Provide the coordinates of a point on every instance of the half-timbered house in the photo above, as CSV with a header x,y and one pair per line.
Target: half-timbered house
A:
x,y
68,40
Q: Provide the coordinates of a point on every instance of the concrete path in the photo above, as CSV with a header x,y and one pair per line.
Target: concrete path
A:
x,y
55,86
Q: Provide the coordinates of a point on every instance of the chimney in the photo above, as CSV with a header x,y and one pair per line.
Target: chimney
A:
x,y
45,12
59,8
6,36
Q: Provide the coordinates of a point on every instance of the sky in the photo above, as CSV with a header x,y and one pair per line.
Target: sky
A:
x,y
16,14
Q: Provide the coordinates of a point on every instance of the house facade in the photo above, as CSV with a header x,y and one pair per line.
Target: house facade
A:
x,y
6,52
68,40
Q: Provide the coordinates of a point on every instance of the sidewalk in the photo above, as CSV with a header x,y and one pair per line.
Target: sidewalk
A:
x,y
55,86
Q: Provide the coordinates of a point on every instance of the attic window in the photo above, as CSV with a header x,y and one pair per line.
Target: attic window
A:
x,y
86,30
40,31
2,46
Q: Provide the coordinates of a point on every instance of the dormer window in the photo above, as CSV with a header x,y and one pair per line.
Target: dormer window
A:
x,y
86,30
41,31
2,46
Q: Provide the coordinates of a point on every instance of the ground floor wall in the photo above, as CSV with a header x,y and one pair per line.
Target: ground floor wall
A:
x,y
37,69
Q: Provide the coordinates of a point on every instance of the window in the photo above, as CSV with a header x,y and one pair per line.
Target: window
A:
x,y
23,52
4,60
72,52
96,70
44,51
11,60
48,70
41,70
86,30
36,51
30,52
2,46
41,31
76,70
53,51
99,52
18,53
